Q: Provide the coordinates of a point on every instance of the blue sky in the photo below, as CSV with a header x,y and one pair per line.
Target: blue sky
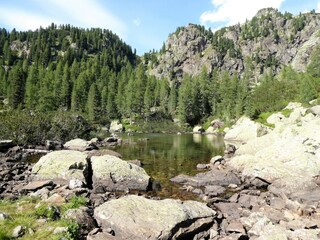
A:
x,y
143,24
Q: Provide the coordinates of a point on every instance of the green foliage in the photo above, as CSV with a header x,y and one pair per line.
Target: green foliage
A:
x,y
25,127
49,212
75,202
73,230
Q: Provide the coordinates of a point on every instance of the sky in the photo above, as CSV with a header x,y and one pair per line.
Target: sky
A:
x,y
143,24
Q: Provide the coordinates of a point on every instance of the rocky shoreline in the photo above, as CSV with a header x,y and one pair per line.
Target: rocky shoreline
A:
x,y
267,187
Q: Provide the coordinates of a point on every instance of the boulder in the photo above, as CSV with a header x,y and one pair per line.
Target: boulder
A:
x,y
244,130
18,231
217,123
213,177
6,144
61,166
211,130
82,216
213,191
275,118
198,129
80,145
135,217
110,173
315,110
116,126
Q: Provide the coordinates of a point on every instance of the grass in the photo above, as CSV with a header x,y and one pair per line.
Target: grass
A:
x,y
26,212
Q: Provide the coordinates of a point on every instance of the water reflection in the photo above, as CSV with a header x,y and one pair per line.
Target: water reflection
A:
x,y
167,155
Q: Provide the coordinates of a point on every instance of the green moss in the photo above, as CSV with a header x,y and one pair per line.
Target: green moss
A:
x,y
286,112
262,118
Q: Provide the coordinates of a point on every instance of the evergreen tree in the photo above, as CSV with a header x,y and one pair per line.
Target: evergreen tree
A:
x,y
32,88
173,99
93,103
17,85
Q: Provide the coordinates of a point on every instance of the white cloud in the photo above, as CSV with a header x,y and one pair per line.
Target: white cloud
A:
x,y
81,13
318,8
235,11
23,20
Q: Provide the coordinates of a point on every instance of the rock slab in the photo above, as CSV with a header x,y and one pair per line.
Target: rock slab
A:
x,y
135,217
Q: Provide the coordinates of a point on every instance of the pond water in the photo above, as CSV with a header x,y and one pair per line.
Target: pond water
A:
x,y
167,155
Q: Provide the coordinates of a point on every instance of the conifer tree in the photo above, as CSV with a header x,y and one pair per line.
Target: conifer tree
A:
x,y
93,103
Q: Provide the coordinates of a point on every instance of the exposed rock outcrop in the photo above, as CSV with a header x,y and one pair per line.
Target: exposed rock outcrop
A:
x,y
267,42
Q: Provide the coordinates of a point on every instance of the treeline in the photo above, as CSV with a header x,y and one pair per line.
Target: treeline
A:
x,y
94,74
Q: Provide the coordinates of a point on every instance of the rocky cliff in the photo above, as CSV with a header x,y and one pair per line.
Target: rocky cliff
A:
x,y
268,41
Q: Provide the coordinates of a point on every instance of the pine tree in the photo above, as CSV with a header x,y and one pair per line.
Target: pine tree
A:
x,y
16,90
173,99
32,88
93,103
66,88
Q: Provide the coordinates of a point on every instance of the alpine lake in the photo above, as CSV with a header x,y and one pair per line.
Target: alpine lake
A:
x,y
164,156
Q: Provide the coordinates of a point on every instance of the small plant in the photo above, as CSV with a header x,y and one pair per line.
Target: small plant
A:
x,y
48,212
72,231
75,202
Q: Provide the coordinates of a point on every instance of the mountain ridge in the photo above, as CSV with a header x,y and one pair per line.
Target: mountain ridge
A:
x,y
269,40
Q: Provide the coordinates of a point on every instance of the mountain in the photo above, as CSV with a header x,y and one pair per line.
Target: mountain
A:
x,y
265,43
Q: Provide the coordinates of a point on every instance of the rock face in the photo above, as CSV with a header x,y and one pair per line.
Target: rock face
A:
x,y
134,217
192,47
288,156
110,173
61,166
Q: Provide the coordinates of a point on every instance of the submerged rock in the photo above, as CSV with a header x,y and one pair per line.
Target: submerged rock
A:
x,y
134,217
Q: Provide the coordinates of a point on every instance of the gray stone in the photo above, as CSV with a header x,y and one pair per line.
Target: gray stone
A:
x,y
76,183
61,166
116,126
134,217
235,226
315,110
6,144
18,231
79,145
113,174
213,191
59,230
82,217
3,216
36,185
213,177
230,211
198,129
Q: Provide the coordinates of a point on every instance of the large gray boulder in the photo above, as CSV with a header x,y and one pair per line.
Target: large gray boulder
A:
x,y
79,145
135,217
61,166
110,173
244,130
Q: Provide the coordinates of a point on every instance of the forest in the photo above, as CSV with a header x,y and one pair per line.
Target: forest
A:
x,y
62,81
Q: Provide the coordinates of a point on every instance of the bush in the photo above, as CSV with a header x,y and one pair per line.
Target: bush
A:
x,y
26,127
